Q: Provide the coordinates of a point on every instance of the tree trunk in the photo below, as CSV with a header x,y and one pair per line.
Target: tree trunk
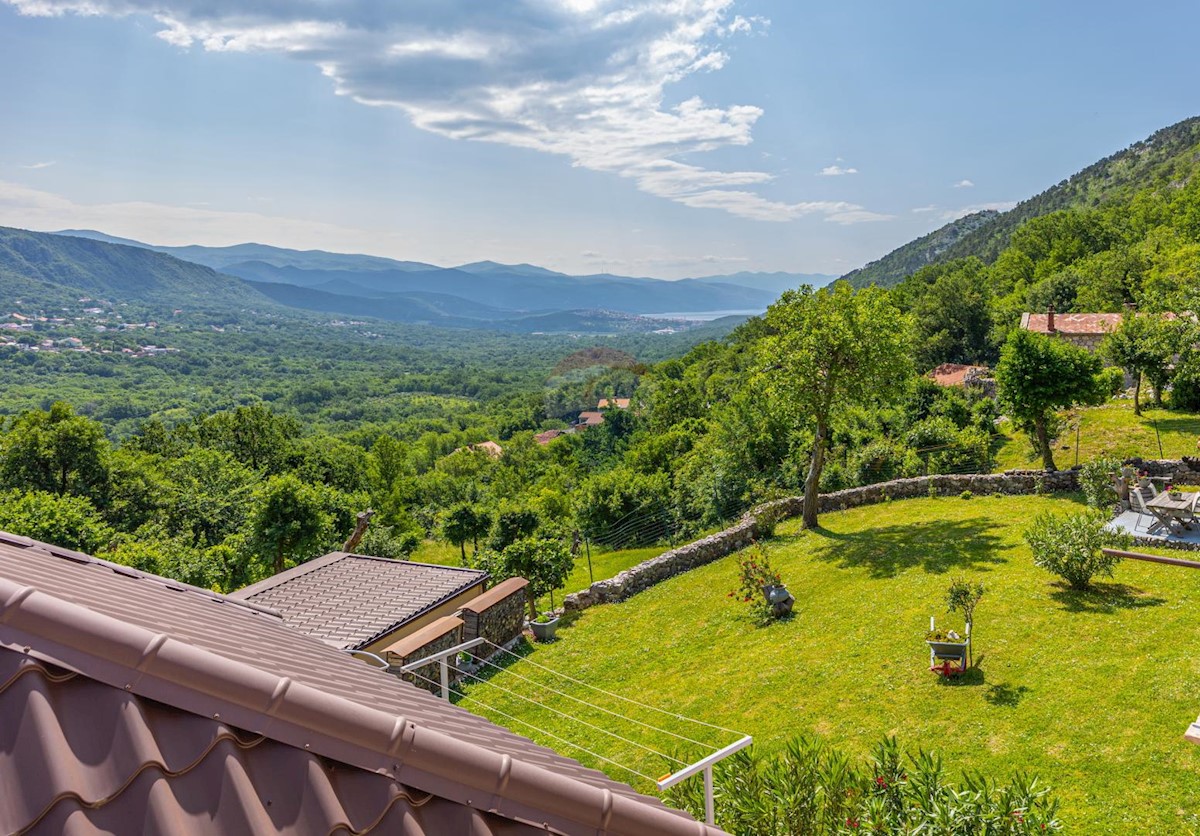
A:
x,y
360,528
813,482
1137,391
1043,440
462,547
278,560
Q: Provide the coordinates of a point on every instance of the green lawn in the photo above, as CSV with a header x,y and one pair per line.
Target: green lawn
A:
x,y
1091,691
1111,429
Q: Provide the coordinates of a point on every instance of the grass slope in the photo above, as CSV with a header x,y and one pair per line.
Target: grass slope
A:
x,y
1092,691
1111,430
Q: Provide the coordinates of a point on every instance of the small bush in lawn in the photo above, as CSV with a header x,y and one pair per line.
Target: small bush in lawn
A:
x,y
1096,481
755,572
1070,546
810,788
965,495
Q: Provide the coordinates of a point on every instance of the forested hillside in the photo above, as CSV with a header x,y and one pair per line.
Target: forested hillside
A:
x,y
44,269
1164,161
179,458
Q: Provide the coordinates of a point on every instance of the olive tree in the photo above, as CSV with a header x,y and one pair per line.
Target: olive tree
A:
x,y
831,350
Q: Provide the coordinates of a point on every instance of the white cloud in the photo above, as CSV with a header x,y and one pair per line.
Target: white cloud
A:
x,y
584,79
35,166
998,206
964,184
836,171
933,207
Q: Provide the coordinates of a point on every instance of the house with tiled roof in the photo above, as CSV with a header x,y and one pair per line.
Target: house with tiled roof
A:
x,y
130,703
359,602
616,403
589,419
547,436
1086,330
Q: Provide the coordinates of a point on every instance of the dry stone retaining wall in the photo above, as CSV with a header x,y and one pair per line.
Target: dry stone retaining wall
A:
x,y
757,522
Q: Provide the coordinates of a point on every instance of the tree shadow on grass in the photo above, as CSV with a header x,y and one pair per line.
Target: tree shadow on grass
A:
x,y
1005,695
936,546
1103,598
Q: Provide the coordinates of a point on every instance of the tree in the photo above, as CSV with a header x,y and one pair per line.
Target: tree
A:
x,y
833,349
963,596
56,451
1038,374
67,521
465,522
289,520
545,562
1144,346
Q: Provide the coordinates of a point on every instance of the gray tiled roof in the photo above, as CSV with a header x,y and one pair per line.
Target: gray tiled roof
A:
x,y
349,600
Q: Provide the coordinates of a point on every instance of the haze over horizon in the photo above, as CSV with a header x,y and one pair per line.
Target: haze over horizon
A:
x,y
667,139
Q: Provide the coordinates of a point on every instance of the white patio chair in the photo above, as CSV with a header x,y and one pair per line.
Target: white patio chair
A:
x,y
1138,503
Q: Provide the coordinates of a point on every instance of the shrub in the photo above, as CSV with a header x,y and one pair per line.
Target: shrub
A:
x,y
1096,481
1185,388
755,572
71,522
813,789
883,460
1070,546
965,495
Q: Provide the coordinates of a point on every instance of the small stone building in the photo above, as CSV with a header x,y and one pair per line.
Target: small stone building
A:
x,y
1086,330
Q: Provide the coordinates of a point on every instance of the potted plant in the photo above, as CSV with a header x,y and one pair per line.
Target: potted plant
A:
x,y
945,642
544,627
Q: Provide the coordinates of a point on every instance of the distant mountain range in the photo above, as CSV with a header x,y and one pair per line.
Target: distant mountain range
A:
x,y
1169,158
485,290
50,269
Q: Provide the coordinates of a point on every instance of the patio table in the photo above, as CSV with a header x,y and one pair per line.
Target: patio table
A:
x,y
1181,509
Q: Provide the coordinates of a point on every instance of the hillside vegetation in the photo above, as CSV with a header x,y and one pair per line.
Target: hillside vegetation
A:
x,y
41,270
1166,160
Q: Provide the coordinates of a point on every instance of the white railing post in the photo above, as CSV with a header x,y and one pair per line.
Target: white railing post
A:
x,y
446,679
705,765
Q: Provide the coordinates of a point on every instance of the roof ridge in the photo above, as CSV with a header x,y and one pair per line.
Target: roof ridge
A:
x,y
10,539
197,680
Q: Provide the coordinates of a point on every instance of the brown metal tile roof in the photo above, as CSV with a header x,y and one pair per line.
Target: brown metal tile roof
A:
x,y
84,752
240,669
350,600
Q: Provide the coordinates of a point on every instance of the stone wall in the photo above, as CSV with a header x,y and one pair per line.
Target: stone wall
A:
x,y
497,615
1185,471
440,635
757,522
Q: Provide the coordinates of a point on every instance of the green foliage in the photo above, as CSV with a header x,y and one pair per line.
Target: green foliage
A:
x,y
1038,374
292,521
543,561
464,522
1070,546
71,522
963,596
1096,480
833,350
56,451
809,788
755,573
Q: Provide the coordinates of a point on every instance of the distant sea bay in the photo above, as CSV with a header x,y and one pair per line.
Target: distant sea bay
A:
x,y
702,316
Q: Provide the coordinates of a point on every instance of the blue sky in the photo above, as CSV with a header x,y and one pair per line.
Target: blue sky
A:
x,y
656,137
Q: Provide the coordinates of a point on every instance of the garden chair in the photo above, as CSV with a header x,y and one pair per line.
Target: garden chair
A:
x,y
1138,503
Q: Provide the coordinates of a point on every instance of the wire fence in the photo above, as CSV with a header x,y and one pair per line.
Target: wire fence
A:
x,y
623,723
